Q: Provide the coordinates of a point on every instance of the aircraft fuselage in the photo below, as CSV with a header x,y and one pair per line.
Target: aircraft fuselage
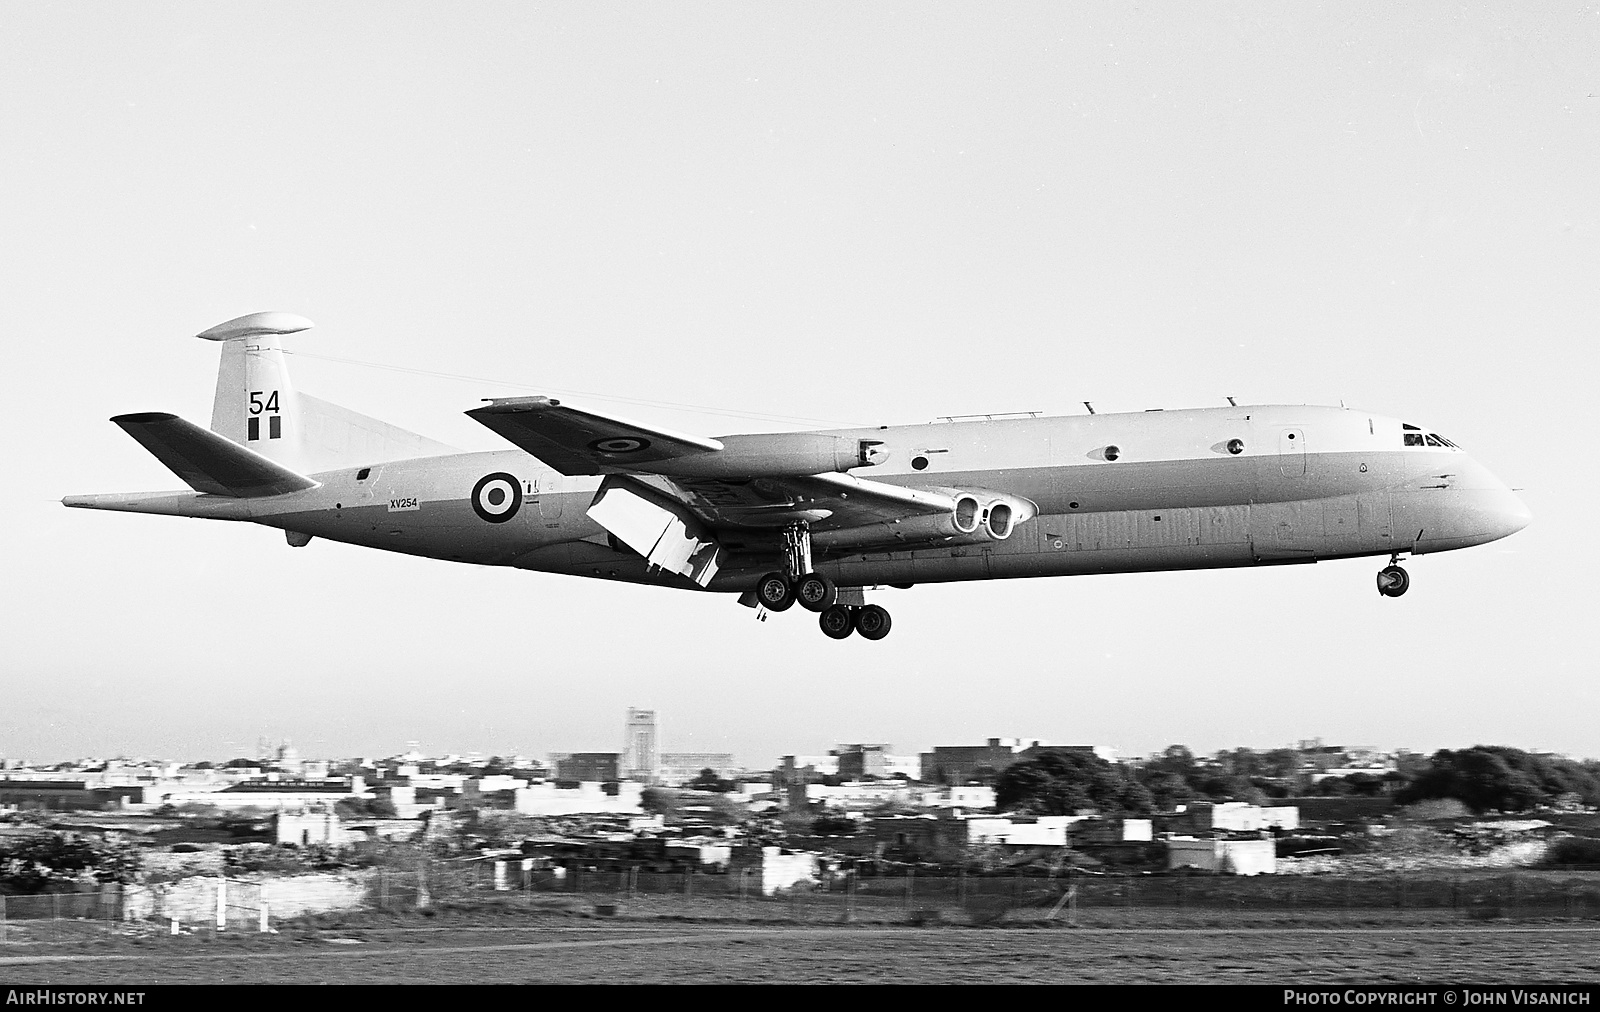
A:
x,y
1159,490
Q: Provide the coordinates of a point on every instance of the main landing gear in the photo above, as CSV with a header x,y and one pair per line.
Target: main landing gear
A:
x,y
870,620
777,591
1392,580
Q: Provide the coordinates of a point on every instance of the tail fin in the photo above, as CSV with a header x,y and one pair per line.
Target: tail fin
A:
x,y
257,407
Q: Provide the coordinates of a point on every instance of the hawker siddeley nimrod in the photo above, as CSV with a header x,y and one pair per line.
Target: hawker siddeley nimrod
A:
x,y
820,517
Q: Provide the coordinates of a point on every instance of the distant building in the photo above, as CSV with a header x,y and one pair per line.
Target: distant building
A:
x,y
973,764
1205,818
678,768
857,762
1242,857
62,795
771,870
289,760
641,751
789,782
283,795
601,767
617,798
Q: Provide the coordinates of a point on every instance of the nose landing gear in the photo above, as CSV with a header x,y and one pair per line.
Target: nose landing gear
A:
x,y
1392,580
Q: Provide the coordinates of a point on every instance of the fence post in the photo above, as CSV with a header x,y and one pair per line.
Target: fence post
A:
x,y
55,917
265,926
222,903
911,874
2,919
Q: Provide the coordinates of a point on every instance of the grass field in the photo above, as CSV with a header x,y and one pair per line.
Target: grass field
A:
x,y
569,945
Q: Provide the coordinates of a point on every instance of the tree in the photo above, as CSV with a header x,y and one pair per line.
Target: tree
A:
x,y
365,808
37,863
1168,791
1494,777
1062,782
709,781
659,801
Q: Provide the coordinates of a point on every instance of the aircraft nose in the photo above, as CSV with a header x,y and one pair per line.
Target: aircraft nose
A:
x,y
1511,513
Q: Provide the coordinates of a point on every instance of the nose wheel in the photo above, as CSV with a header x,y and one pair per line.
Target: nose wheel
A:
x,y
1393,581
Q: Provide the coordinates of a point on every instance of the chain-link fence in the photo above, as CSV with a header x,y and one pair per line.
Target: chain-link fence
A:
x,y
908,894
210,904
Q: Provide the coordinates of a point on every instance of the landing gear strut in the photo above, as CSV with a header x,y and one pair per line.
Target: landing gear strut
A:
x,y
777,591
1392,580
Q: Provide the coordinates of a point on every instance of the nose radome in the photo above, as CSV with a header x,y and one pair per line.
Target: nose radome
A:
x,y
1514,513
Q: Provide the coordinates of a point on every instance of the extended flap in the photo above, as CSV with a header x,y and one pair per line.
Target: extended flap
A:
x,y
659,528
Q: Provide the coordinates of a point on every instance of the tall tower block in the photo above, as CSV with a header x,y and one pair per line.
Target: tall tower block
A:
x,y
641,747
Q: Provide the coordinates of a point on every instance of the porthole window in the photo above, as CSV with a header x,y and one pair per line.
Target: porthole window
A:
x,y
920,463
1113,452
363,474
1072,505
1235,446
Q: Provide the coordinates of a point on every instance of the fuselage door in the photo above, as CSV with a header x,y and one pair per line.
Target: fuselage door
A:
x,y
1292,452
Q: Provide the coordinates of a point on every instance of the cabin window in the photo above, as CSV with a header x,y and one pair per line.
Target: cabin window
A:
x,y
920,463
1414,439
364,474
1113,452
1434,440
1235,446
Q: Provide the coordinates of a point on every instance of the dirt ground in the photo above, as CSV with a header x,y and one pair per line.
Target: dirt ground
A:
x,y
566,950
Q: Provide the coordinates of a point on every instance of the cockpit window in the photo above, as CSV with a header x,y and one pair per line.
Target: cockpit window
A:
x,y
1414,436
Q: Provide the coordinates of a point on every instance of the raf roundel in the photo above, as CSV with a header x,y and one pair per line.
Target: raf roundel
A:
x,y
497,497
620,444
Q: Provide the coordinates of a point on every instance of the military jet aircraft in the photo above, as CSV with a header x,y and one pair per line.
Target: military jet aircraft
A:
x,y
819,518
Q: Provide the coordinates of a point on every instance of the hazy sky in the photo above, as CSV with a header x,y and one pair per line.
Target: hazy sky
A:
x,y
846,212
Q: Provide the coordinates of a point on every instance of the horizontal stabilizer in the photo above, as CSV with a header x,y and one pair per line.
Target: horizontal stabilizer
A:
x,y
208,462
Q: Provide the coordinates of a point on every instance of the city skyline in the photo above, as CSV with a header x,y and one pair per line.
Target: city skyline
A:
x,y
723,219
546,757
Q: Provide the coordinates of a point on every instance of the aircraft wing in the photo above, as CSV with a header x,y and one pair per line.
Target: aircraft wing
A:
x,y
574,441
826,501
